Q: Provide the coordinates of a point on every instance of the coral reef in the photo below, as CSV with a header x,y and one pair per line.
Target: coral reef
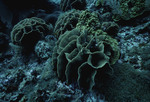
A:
x,y
44,48
123,9
27,32
66,22
90,21
110,28
134,44
12,83
131,8
72,4
126,9
78,52
90,4
144,28
83,20
128,84
75,51
93,97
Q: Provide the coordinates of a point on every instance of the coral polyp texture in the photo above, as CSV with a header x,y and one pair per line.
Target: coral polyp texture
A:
x,y
83,58
66,22
72,4
28,31
90,21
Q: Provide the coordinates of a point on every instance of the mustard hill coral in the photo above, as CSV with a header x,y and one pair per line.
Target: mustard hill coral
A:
x,y
90,21
81,57
28,31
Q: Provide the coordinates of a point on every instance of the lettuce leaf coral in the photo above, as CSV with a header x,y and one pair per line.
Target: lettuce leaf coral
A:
x,y
81,57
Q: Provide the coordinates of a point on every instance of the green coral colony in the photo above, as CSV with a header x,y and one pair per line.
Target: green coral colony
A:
x,y
125,9
78,52
82,46
27,32
82,54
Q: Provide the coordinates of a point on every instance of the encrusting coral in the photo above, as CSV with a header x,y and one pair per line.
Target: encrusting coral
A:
x,y
81,57
131,8
28,31
124,9
128,9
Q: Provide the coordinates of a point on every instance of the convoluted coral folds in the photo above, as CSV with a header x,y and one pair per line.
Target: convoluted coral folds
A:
x,y
81,57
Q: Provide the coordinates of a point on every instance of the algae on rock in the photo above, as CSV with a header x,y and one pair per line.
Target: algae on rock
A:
x,y
128,84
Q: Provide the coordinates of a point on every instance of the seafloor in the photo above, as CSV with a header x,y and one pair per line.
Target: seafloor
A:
x,y
74,50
